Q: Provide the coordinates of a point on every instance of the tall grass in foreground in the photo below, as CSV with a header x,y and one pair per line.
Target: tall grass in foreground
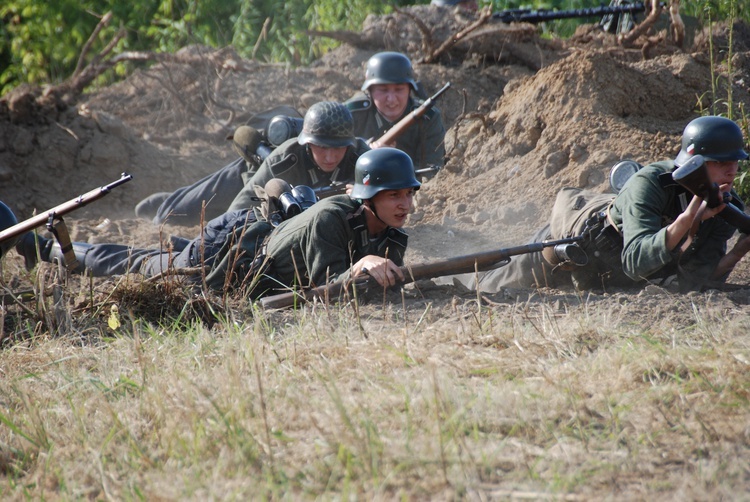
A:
x,y
635,397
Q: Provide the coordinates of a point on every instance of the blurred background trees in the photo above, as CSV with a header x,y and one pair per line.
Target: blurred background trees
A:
x,y
41,41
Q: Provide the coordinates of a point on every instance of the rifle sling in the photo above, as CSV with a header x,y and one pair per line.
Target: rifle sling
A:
x,y
56,225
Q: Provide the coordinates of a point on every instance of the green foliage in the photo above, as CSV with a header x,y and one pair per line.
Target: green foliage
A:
x,y
41,41
275,30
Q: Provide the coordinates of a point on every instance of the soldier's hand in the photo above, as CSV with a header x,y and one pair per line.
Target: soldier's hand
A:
x,y
685,224
384,271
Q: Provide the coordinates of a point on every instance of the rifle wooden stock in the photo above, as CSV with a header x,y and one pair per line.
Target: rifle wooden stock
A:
x,y
400,128
41,219
459,265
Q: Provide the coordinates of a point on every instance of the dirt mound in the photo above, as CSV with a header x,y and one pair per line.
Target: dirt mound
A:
x,y
526,116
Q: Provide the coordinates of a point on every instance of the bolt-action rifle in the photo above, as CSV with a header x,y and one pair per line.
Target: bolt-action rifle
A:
x,y
460,265
400,128
541,15
54,221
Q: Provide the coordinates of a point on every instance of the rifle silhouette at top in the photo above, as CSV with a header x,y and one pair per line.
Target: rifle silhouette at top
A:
x,y
541,15
487,260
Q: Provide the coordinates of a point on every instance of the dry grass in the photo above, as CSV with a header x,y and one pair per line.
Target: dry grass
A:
x,y
562,397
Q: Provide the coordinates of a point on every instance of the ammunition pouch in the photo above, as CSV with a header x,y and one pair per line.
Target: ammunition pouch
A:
x,y
604,241
603,245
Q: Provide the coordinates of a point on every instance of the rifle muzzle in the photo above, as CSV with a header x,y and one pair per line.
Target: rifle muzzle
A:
x,y
566,256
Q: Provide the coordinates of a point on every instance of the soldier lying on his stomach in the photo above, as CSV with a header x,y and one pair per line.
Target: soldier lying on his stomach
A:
x,y
653,230
339,237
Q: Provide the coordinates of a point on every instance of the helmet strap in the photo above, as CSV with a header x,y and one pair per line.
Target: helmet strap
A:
x,y
371,205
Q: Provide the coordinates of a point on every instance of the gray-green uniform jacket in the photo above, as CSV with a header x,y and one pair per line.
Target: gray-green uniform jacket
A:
x,y
649,202
292,162
632,248
424,141
321,244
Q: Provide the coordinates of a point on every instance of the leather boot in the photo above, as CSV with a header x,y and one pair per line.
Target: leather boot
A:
x,y
33,247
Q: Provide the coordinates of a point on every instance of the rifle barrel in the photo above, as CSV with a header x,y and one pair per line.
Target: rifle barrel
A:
x,y
66,207
459,265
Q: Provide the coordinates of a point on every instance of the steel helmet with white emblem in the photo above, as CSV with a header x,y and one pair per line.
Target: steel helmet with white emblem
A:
x,y
382,169
715,138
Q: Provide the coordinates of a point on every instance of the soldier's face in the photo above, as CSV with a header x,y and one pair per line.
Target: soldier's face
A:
x,y
393,206
326,158
390,99
722,173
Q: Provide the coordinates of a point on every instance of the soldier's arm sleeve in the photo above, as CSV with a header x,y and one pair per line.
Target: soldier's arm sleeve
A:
x,y
644,239
217,190
710,248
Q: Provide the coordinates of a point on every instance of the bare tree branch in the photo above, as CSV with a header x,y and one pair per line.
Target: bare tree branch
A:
x,y
484,16
630,37
87,46
427,45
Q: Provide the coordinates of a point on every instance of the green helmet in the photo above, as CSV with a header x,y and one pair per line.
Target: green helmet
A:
x,y
7,220
328,124
389,68
716,138
382,169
